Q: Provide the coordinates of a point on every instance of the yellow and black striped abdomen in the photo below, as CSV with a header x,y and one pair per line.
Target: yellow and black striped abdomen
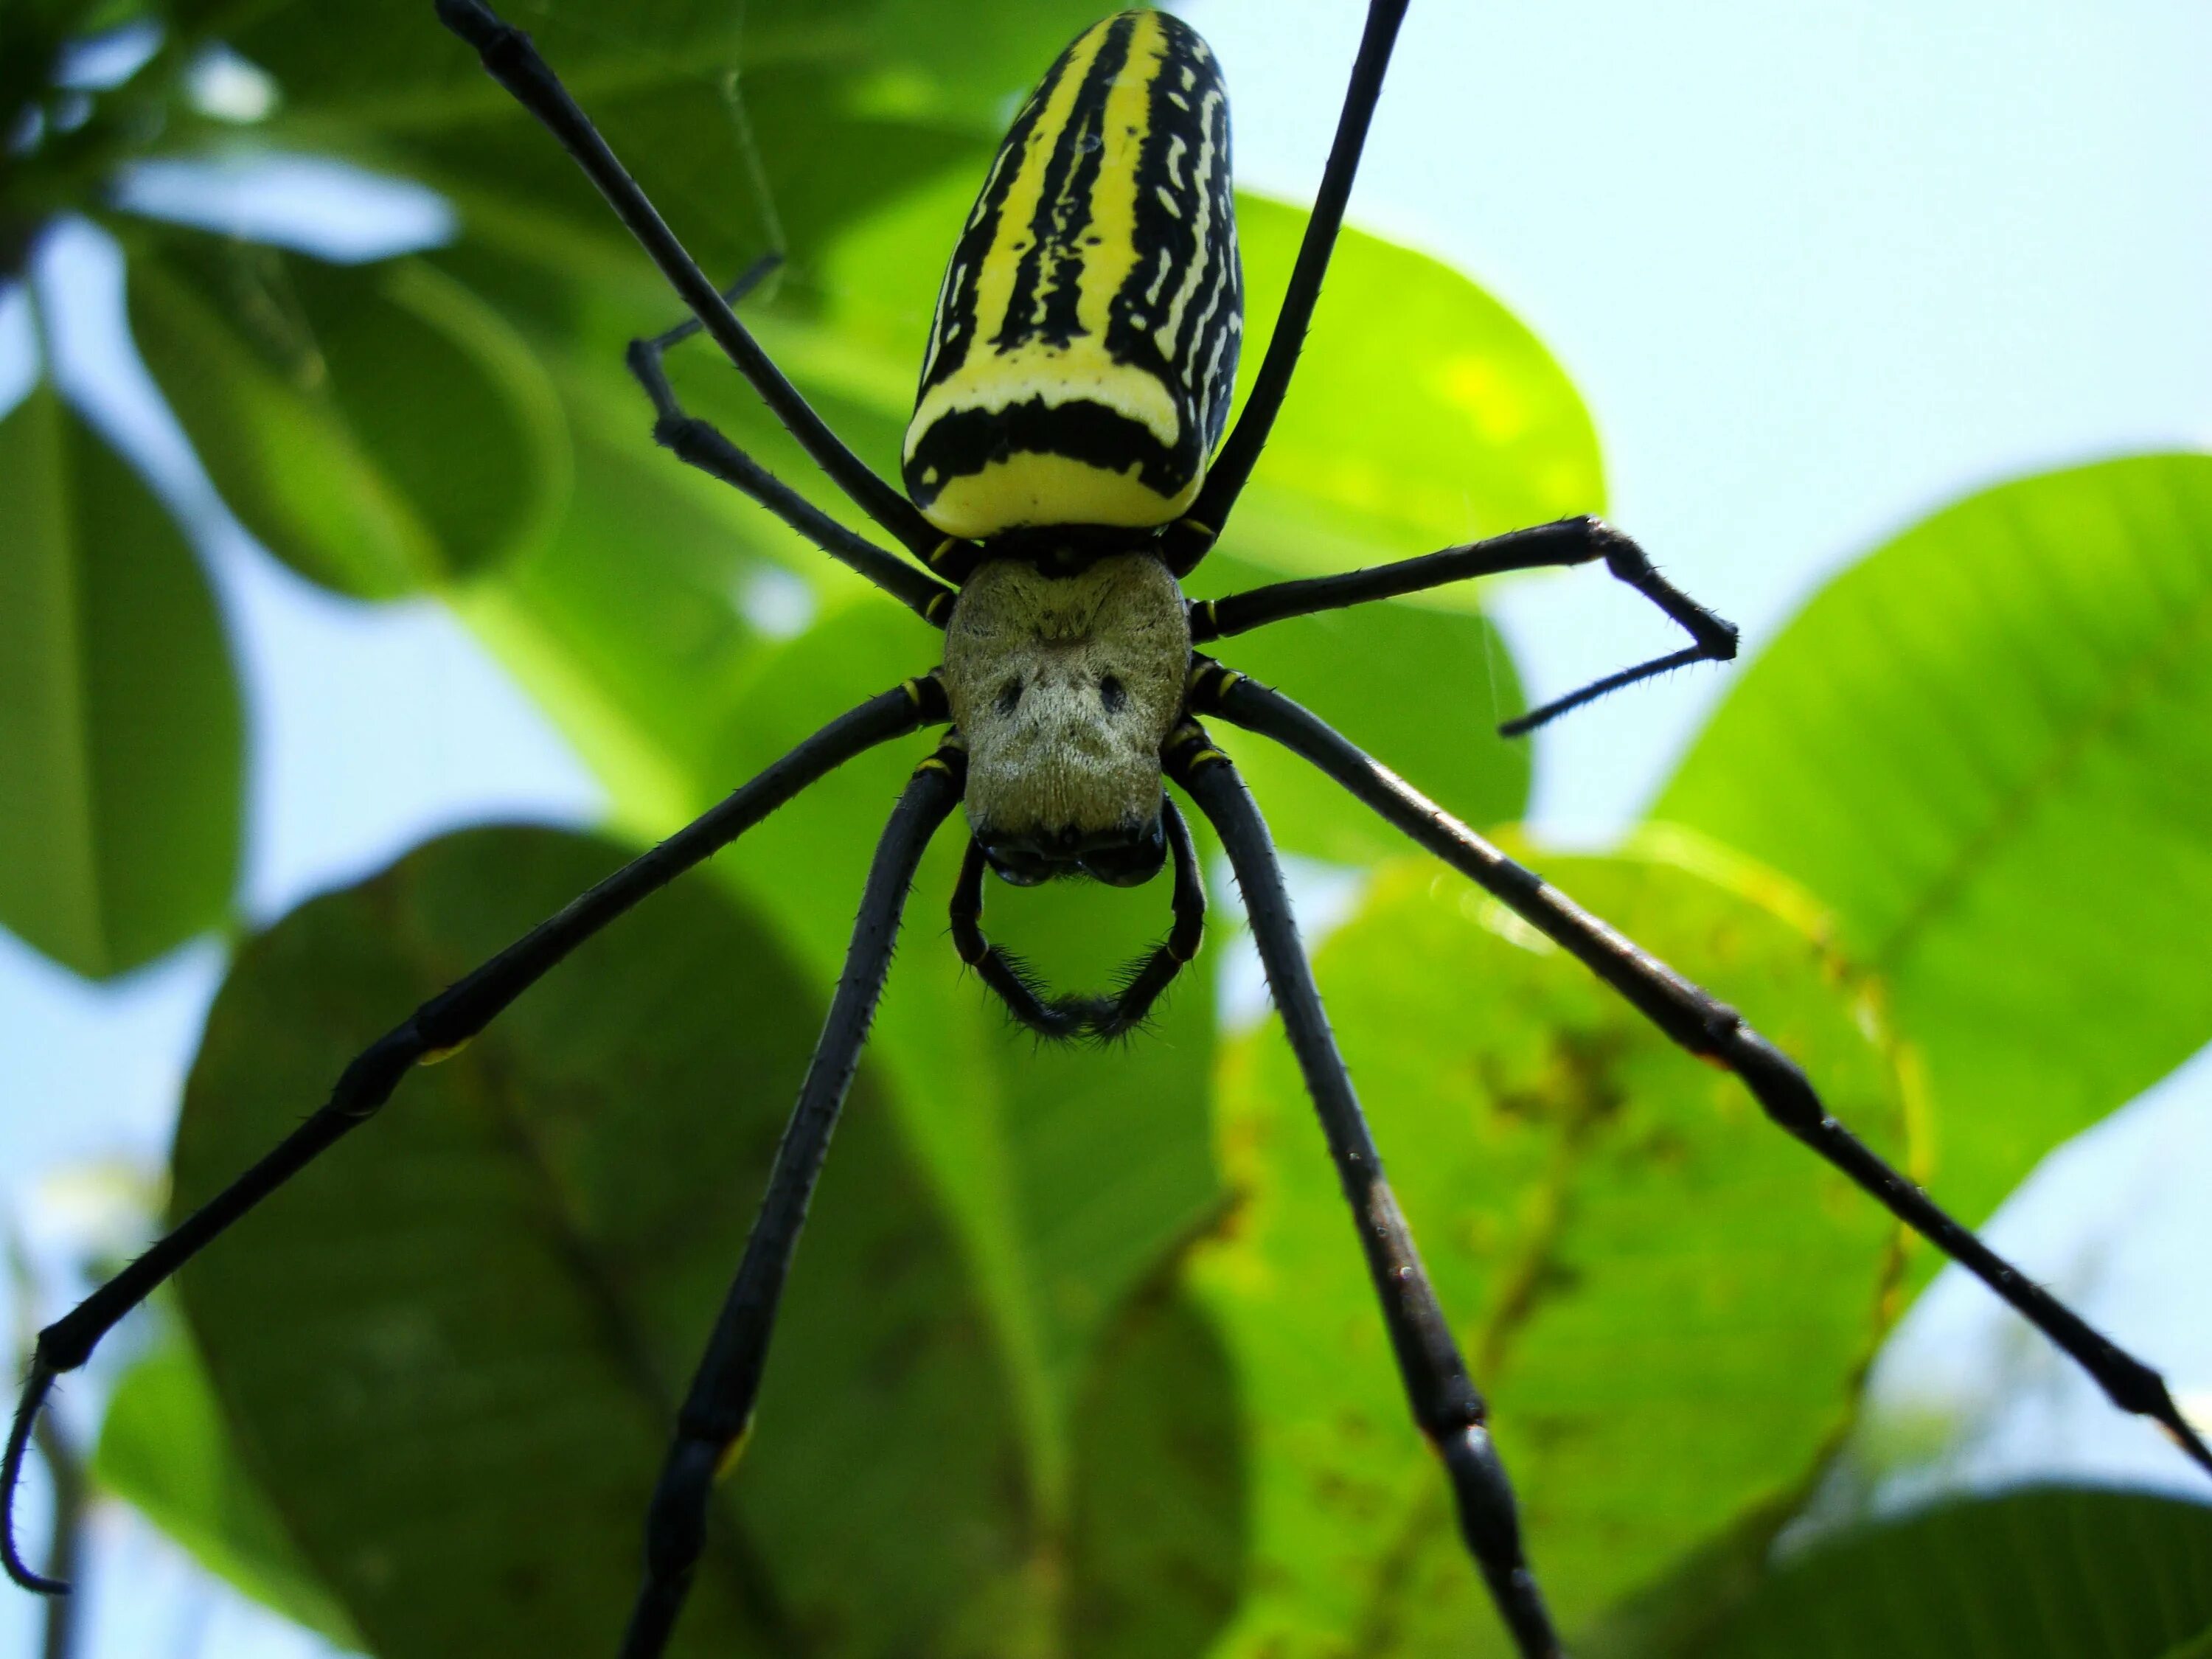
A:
x,y
1085,342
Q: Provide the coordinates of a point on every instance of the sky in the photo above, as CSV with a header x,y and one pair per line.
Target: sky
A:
x,y
1816,270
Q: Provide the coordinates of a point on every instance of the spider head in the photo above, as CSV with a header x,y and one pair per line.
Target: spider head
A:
x,y
1065,685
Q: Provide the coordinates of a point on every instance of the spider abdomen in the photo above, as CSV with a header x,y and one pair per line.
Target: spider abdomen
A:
x,y
1064,688
1084,347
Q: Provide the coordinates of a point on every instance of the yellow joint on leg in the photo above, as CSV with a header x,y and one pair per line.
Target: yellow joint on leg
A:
x,y
432,1056
732,1452
939,607
937,553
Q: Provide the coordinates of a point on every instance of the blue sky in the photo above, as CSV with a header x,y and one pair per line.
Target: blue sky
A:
x,y
1815,270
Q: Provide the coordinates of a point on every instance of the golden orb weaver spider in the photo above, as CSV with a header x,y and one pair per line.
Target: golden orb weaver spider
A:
x,y
1062,479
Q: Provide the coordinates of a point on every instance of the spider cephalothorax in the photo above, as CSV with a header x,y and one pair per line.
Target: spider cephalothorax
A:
x,y
1064,478
1065,687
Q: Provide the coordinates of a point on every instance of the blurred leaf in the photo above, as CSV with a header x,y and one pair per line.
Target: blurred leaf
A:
x,y
2055,1573
452,1351
1158,1544
751,126
377,428
163,1447
1668,1301
1985,746
122,745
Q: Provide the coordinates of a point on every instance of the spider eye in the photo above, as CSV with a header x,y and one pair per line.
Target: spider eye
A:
x,y
1111,694
1009,695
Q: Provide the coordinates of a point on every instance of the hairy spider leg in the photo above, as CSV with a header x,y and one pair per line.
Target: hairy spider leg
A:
x,y
511,60
1706,1028
433,1031
711,1428
1187,540
701,444
1446,1405
1564,542
1076,1015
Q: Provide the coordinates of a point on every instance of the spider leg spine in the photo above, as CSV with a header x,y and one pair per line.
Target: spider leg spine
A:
x,y
1445,1403
1563,542
718,1409
1710,1030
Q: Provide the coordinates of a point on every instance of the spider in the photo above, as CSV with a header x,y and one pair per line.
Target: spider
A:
x,y
1062,477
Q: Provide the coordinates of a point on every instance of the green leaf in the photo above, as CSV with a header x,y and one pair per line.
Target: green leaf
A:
x,y
2041,1574
1424,413
1157,1551
756,126
122,744
450,1351
1667,1301
1421,689
377,428
1984,746
164,1447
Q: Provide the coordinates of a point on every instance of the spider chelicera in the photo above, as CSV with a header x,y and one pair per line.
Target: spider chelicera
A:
x,y
1062,478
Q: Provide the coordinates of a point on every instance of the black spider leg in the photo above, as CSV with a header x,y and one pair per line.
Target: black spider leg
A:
x,y
512,62
1063,1016
433,1031
1188,539
1708,1029
701,444
1446,1405
711,1427
1567,542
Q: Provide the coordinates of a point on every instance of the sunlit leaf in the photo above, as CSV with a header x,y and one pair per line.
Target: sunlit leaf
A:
x,y
122,745
164,1447
1666,1299
1985,747
1423,414
377,428
451,1352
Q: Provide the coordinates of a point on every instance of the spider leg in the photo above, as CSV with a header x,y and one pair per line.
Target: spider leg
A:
x,y
1189,539
1567,542
434,1030
1009,978
1708,1029
700,444
1064,1016
1445,1403
718,1411
512,61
